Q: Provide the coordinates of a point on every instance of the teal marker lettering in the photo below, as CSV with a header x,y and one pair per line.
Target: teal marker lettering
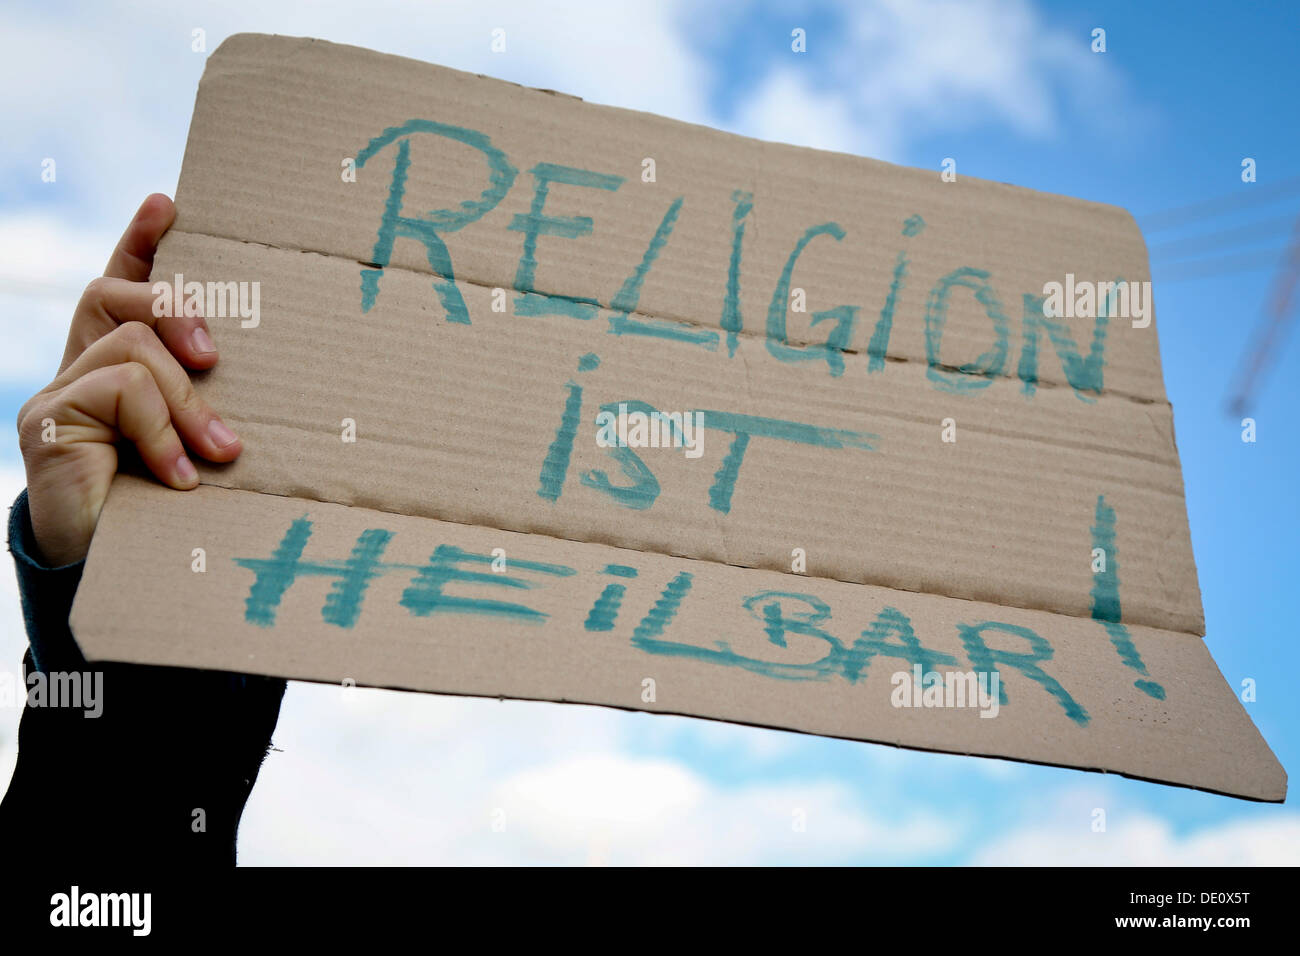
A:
x,y
644,487
275,575
780,615
604,612
424,595
843,316
769,607
628,297
875,642
745,427
731,320
970,375
343,604
555,466
429,228
879,344
1105,599
536,223
986,661
765,606
1084,375
664,609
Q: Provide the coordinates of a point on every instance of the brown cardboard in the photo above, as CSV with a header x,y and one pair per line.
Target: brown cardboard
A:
x,y
454,421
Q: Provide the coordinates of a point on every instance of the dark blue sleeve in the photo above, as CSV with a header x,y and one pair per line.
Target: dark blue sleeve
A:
x,y
147,766
46,595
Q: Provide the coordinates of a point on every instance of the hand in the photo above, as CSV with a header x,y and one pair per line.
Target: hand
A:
x,y
122,377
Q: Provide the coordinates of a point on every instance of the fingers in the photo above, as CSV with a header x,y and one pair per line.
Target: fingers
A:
x,y
109,303
133,257
123,377
123,372
198,424
124,399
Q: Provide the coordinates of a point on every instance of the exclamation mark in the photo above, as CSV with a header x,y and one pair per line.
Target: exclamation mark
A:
x,y
1105,597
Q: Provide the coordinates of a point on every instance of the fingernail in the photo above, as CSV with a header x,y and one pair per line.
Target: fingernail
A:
x,y
202,341
185,470
221,434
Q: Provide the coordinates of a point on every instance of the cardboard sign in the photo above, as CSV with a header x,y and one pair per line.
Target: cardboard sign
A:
x,y
549,400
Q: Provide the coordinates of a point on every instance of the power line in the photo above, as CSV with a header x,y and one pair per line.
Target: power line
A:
x,y
1269,335
1254,232
1256,195
1209,268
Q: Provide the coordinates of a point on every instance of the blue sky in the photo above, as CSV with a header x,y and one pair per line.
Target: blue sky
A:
x,y
1013,92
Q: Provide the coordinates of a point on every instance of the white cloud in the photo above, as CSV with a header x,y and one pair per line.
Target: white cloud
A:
x,y
628,811
940,58
41,252
45,263
114,124
903,69
379,777
1269,838
786,108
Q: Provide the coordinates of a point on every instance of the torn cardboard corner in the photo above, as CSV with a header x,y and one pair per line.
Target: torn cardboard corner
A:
x,y
554,401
